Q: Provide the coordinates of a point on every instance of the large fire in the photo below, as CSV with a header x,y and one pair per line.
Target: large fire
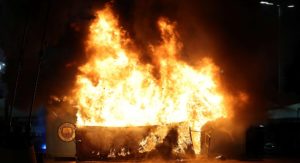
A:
x,y
116,89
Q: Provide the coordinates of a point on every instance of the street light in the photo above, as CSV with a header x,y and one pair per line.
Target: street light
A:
x,y
279,10
2,62
266,3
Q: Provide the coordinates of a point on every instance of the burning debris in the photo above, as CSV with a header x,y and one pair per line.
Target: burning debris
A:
x,y
116,91
139,142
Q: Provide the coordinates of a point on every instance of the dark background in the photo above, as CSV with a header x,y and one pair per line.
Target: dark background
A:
x,y
243,37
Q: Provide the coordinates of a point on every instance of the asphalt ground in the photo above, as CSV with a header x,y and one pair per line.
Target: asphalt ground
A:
x,y
200,160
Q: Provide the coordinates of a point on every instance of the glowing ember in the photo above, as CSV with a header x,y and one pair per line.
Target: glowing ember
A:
x,y
114,88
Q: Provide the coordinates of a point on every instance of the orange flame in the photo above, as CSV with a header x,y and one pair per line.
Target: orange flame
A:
x,y
114,88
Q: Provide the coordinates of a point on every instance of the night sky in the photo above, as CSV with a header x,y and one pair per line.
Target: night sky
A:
x,y
242,36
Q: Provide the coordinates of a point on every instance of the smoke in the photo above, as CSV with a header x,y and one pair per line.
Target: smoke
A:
x,y
216,29
230,32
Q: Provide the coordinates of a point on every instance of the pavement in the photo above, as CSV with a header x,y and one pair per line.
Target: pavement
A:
x,y
200,160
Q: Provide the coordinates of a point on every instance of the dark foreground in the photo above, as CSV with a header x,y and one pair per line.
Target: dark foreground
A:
x,y
201,160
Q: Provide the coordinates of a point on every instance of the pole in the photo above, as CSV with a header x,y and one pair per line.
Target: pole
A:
x,y
41,54
19,70
279,51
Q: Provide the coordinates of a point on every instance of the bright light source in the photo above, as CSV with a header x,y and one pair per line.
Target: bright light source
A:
x,y
261,126
291,6
266,3
2,67
43,147
263,2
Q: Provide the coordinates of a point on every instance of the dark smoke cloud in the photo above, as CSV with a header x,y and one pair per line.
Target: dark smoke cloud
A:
x,y
66,31
232,32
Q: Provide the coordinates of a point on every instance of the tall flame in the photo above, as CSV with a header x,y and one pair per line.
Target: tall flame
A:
x,y
114,88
